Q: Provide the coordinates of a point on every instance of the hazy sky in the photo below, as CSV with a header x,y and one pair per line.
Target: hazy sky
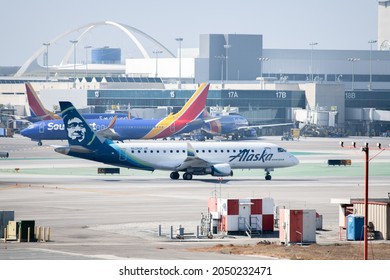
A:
x,y
284,24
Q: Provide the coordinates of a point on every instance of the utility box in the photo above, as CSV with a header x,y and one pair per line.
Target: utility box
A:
x,y
297,226
24,233
5,217
12,230
238,216
355,225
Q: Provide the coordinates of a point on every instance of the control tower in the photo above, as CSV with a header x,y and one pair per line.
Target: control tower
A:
x,y
384,25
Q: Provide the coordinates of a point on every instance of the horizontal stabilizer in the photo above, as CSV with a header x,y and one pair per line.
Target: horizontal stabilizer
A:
x,y
77,149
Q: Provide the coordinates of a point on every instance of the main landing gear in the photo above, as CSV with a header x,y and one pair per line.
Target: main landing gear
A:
x,y
186,176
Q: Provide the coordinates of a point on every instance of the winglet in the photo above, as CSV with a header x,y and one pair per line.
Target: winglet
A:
x,y
190,150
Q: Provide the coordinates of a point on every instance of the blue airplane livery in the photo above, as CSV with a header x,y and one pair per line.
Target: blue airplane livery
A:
x,y
184,121
191,158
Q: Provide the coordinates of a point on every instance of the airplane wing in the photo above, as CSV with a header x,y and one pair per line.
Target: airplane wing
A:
x,y
201,121
192,160
16,117
260,126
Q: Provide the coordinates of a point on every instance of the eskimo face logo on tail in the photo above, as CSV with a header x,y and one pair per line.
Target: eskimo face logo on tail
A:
x,y
76,129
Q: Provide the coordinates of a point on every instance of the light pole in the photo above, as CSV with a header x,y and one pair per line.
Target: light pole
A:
x,y
86,59
312,44
353,60
222,58
227,47
179,39
262,59
371,42
157,52
74,42
47,60
366,150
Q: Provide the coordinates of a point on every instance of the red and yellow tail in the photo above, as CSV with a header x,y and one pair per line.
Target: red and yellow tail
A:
x,y
37,109
175,122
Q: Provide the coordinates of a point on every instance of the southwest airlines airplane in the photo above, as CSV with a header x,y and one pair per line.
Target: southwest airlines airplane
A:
x,y
38,112
197,158
184,121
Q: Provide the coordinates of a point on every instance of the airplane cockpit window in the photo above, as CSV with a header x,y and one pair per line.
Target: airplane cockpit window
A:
x,y
281,150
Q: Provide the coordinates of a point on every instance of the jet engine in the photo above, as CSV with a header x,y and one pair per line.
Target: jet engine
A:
x,y
221,169
4,154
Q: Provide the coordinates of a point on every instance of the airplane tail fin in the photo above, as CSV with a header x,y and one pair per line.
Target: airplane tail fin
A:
x,y
79,133
195,105
37,109
192,110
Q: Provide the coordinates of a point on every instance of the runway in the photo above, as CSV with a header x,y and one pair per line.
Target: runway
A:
x,y
95,216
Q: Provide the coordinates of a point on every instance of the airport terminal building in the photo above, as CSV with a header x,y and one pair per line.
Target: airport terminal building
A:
x,y
345,89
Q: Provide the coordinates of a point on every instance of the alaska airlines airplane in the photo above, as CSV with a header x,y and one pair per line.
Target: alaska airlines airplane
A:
x,y
197,158
38,112
184,121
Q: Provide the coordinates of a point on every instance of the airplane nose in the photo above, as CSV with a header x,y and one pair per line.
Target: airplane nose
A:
x,y
27,132
294,160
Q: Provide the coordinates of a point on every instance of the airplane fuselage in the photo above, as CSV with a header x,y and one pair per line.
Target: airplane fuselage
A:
x,y
125,128
170,156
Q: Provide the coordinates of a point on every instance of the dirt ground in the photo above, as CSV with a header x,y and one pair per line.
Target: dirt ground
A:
x,y
342,251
